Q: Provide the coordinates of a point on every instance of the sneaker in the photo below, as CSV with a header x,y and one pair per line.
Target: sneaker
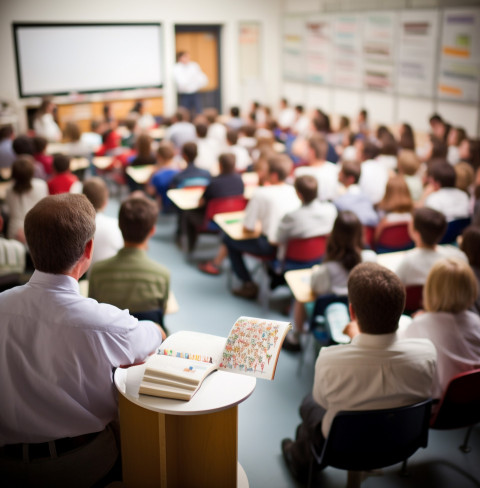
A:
x,y
210,268
291,343
248,290
287,456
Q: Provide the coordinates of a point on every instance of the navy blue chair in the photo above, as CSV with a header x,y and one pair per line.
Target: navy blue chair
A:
x,y
454,229
372,439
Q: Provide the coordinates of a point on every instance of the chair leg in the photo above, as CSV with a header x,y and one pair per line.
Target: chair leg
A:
x,y
310,473
404,471
465,447
354,479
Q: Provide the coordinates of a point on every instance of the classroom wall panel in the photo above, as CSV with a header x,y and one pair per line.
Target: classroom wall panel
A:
x,y
415,111
466,116
346,102
321,97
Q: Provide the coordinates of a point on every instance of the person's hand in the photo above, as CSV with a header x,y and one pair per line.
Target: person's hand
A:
x,y
351,329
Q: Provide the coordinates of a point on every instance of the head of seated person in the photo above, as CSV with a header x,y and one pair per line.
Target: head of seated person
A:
x,y
23,145
59,232
61,163
137,218
23,170
201,130
377,298
427,227
470,245
451,287
441,174
307,188
279,168
165,153
227,163
189,152
350,173
96,190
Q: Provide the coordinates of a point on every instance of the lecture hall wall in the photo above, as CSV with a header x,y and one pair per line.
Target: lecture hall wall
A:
x,y
228,14
391,109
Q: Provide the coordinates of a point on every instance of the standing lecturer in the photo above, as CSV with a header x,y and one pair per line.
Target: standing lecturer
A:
x,y
189,78
59,352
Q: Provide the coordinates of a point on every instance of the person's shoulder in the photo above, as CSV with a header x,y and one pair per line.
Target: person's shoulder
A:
x,y
451,251
105,265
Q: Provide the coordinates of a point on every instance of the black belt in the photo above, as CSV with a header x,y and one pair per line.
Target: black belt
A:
x,y
51,449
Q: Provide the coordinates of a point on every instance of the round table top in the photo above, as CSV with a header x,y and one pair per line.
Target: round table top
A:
x,y
219,391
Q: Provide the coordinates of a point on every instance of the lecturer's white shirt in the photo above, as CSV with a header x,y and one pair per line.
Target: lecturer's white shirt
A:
x,y
189,77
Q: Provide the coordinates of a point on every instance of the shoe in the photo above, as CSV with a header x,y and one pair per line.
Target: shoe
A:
x,y
291,345
210,268
248,290
287,456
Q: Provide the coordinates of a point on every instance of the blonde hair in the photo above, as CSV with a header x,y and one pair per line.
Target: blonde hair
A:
x,y
451,287
464,176
408,162
397,196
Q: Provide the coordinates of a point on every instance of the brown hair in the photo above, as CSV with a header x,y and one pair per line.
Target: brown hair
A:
x,y
144,146
407,138
72,132
464,176
201,130
351,169
345,241
430,224
23,169
280,164
471,244
397,196
227,163
377,297
95,189
136,218
166,151
61,163
189,152
307,187
443,173
57,230
408,162
451,286
319,145
232,136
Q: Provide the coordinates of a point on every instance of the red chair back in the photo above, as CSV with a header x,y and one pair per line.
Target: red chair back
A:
x,y
414,298
460,405
394,237
368,235
307,249
224,204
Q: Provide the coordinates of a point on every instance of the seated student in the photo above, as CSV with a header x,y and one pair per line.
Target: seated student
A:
x,y
191,175
441,194
344,251
268,205
396,205
166,169
130,279
93,139
7,154
354,199
182,130
23,145
40,154
235,121
144,155
59,410
374,177
426,230
108,238
216,130
227,184
313,218
12,261
207,149
318,166
376,370
242,157
408,166
63,178
470,245
25,193
450,290
74,146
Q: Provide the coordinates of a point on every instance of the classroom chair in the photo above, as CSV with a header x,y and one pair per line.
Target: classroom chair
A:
x,y
394,237
454,229
413,298
460,405
372,439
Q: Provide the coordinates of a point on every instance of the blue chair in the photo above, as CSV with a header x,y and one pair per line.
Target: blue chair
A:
x,y
454,229
372,439
153,315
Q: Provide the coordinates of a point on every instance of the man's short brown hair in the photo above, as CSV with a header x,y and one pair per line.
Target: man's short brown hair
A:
x,y
430,224
57,230
166,151
136,218
227,163
189,152
377,297
319,145
280,164
351,169
95,189
61,163
307,187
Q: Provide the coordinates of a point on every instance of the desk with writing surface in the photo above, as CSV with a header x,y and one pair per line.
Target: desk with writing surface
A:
x,y
175,443
140,174
299,279
232,224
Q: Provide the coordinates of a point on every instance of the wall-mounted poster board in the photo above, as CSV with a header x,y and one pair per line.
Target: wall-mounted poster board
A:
x,y
249,50
293,49
58,59
459,76
318,50
418,41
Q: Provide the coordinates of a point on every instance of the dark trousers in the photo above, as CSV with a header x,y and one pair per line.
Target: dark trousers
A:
x,y
309,430
259,246
190,101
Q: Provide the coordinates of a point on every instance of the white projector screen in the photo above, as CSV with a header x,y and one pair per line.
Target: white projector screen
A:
x,y
58,59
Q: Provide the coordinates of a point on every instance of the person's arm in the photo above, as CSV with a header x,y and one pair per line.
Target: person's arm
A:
x,y
320,280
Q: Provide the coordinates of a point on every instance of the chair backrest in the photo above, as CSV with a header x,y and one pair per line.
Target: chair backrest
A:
x,y
454,229
372,439
368,235
307,249
414,298
153,315
460,404
224,204
394,237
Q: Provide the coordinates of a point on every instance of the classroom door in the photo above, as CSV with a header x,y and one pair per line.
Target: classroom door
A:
x,y
203,44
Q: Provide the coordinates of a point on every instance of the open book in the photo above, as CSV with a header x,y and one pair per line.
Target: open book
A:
x,y
185,358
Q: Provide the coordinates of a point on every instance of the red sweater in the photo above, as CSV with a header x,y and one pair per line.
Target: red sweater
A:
x,y
61,183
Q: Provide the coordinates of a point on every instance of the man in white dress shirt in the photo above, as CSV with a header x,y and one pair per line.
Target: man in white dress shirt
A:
x,y
59,351
376,370
189,78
